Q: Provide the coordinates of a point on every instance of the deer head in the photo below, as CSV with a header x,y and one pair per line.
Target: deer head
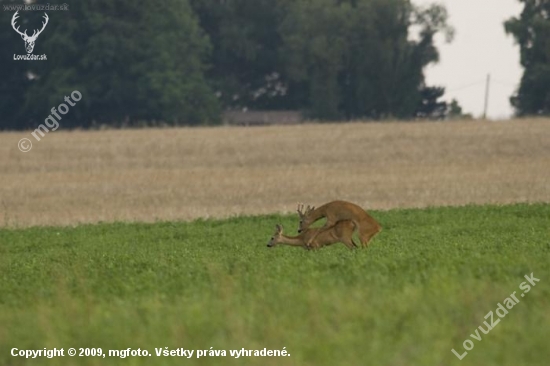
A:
x,y
304,222
29,41
276,237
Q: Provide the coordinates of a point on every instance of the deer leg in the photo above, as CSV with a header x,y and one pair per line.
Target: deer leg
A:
x,y
367,236
365,241
330,223
311,241
313,246
349,243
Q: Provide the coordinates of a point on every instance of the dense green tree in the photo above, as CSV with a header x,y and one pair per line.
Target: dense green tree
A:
x,y
333,59
131,60
359,57
315,40
430,106
454,110
14,81
179,61
532,32
246,62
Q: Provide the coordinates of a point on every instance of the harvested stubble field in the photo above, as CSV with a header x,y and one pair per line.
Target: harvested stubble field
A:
x,y
188,173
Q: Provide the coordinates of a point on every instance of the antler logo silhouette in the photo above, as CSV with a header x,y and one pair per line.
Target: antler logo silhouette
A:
x,y
29,41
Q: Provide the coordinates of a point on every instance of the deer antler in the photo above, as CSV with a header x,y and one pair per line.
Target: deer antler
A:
x,y
300,209
35,34
43,26
13,19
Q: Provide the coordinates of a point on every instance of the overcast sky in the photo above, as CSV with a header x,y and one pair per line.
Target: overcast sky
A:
x,y
480,47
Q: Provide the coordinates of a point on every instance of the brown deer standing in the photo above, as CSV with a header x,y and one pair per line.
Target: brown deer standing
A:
x,y
337,211
340,233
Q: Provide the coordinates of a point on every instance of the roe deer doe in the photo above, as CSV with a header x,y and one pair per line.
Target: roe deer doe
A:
x,y
341,233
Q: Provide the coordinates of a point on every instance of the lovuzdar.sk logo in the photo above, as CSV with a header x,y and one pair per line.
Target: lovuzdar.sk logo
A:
x,y
29,40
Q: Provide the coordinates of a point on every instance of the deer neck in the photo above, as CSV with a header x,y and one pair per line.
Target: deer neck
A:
x,y
317,214
291,240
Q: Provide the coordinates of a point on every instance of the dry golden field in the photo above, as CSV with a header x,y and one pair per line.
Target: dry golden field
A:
x,y
186,173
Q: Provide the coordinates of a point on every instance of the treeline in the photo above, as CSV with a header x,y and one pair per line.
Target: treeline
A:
x,y
532,32
185,61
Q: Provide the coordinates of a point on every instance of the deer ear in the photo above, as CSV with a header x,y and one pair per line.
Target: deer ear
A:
x,y
279,227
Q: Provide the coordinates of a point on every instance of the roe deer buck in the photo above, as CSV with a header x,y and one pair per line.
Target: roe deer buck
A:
x,y
341,233
336,211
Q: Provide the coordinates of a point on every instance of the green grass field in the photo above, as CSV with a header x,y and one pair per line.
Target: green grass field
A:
x,y
421,288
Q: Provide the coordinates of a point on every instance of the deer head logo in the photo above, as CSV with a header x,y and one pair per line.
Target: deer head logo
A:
x,y
29,41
